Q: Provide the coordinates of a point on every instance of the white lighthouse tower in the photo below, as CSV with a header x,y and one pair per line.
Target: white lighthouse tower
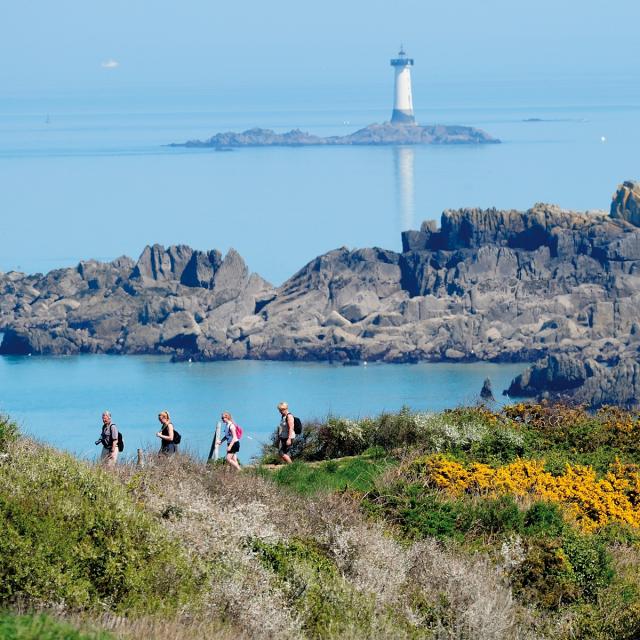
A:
x,y
403,102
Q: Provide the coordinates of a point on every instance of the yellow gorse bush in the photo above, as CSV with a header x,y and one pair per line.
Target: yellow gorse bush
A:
x,y
590,501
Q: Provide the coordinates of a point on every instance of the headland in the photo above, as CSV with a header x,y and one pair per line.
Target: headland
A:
x,y
484,285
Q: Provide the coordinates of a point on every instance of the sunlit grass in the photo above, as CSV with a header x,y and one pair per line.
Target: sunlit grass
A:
x,y
43,627
356,473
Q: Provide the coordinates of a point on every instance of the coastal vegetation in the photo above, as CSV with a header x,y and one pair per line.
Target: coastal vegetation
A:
x,y
522,522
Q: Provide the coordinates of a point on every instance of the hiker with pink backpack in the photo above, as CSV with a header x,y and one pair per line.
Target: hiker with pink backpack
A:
x,y
232,436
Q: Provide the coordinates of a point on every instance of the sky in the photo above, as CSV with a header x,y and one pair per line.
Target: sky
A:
x,y
120,45
90,92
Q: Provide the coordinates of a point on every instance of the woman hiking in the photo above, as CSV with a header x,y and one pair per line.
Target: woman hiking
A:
x,y
166,434
232,437
286,432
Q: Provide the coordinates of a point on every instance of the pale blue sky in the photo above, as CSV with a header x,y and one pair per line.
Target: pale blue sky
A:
x,y
196,44
84,171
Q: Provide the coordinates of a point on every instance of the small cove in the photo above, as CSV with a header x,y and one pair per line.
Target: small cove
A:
x,y
59,400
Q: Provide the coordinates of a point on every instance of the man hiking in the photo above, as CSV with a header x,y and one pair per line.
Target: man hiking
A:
x,y
109,441
286,433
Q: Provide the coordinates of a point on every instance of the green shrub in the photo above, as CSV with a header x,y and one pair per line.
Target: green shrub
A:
x,y
72,535
545,576
43,627
616,614
375,453
499,445
544,518
590,561
554,572
497,515
8,433
395,430
325,603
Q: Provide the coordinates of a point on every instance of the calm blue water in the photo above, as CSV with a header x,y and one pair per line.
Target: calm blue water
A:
x,y
60,399
87,176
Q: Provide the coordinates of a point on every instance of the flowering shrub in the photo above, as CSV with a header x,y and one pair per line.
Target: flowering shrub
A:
x,y
475,432
592,502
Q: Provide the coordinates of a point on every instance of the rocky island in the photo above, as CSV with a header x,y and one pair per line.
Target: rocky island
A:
x,y
491,285
374,134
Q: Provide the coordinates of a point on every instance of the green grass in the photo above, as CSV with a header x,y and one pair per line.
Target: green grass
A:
x,y
357,474
43,627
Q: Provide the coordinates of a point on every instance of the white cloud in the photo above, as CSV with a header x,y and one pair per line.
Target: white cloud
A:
x,y
110,64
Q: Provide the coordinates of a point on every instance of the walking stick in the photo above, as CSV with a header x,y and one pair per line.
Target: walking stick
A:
x,y
213,451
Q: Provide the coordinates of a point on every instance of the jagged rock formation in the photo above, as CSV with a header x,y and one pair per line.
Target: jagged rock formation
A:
x,y
374,134
486,284
166,302
606,375
626,203
486,393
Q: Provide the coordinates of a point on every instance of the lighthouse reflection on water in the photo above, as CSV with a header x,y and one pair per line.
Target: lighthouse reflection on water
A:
x,y
405,187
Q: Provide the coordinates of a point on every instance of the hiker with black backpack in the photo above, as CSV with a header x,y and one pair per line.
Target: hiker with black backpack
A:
x,y
232,436
289,427
109,441
169,436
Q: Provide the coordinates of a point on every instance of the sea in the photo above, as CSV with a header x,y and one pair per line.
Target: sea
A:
x,y
88,174
60,399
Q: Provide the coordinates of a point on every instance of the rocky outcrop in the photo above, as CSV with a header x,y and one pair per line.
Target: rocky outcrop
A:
x,y
486,393
571,379
173,300
483,285
626,203
374,134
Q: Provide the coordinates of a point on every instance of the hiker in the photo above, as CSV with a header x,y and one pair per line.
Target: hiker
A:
x,y
166,434
233,440
286,433
108,440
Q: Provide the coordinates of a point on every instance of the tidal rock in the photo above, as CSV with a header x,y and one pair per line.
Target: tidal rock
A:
x,y
486,393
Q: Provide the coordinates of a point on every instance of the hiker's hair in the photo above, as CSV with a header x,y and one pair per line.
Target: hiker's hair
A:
x,y
226,414
106,413
283,405
165,414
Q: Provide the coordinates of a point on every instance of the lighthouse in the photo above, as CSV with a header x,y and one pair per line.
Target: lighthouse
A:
x,y
402,102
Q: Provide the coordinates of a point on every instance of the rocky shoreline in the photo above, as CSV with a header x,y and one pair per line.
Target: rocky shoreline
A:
x,y
484,285
374,134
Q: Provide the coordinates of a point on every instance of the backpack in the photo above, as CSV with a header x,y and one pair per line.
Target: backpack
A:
x,y
176,437
108,442
297,425
238,431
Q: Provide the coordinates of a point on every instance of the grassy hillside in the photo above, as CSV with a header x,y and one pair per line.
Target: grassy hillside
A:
x,y
469,523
